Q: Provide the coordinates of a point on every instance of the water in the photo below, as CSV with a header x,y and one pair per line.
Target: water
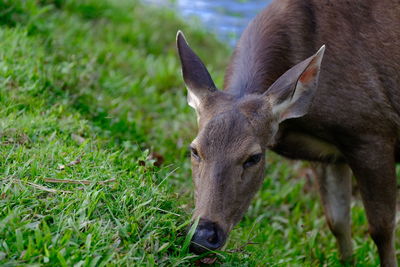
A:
x,y
226,18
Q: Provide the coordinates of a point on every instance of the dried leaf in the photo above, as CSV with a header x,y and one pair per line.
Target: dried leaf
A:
x,y
158,159
61,167
79,139
74,162
206,261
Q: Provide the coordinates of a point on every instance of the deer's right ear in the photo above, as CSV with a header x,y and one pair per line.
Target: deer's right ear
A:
x,y
197,79
293,93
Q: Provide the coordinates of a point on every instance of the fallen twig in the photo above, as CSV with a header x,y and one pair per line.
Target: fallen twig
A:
x,y
85,182
43,188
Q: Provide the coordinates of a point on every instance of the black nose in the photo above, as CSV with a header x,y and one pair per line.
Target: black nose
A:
x,y
208,236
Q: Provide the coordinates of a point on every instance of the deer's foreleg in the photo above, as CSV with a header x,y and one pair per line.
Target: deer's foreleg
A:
x,y
334,183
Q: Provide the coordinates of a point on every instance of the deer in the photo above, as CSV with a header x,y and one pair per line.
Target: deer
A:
x,y
313,80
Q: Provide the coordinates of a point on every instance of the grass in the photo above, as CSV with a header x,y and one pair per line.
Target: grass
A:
x,y
91,90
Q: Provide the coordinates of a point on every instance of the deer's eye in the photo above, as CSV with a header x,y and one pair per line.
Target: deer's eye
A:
x,y
252,160
194,153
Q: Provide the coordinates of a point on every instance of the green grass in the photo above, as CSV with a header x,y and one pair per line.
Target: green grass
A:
x,y
99,81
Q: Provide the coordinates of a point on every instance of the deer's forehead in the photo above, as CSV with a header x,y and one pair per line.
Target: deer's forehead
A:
x,y
225,132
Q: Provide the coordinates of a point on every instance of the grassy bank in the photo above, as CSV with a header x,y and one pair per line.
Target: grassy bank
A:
x,y
91,91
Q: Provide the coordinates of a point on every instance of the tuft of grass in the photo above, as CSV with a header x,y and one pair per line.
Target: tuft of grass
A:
x,y
86,88
91,90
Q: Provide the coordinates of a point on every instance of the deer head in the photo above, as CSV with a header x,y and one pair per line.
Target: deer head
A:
x,y
228,153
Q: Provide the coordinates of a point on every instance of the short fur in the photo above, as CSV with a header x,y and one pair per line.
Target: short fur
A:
x,y
351,119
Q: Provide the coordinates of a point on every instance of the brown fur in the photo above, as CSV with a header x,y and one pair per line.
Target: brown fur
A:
x,y
351,119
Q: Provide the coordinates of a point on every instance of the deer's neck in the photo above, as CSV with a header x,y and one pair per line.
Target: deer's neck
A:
x,y
270,45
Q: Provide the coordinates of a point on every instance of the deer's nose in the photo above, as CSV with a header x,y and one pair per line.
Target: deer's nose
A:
x,y
208,236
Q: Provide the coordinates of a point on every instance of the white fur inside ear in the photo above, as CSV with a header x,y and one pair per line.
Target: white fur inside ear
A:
x,y
278,109
282,109
193,100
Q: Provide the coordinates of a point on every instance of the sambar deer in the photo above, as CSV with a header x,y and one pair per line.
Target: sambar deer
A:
x,y
341,110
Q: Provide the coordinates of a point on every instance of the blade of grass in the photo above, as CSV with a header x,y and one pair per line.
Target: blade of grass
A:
x,y
189,236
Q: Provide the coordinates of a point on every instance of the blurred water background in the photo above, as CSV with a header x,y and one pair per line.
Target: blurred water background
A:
x,y
226,18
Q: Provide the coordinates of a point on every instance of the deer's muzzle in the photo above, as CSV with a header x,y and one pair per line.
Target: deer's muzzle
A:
x,y
208,236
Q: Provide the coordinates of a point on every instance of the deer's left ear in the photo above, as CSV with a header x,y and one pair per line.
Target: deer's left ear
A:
x,y
291,95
